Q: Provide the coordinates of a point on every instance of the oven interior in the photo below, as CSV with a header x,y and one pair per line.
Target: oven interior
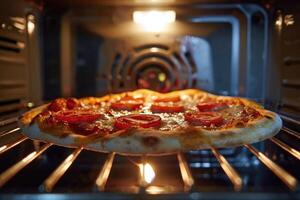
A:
x,y
50,49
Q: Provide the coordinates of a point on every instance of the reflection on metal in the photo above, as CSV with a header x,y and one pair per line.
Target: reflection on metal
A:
x,y
231,173
6,147
30,23
60,170
165,189
105,171
290,119
287,178
287,148
8,121
279,20
291,132
289,20
147,173
185,172
13,170
9,132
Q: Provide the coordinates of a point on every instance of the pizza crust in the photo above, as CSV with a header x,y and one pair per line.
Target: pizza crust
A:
x,y
139,141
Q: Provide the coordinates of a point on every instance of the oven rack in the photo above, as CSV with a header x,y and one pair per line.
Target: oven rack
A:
x,y
188,181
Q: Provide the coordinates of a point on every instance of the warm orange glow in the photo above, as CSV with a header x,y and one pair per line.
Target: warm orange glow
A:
x,y
154,20
147,173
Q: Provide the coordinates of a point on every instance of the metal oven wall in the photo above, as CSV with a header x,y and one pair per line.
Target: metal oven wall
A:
x,y
221,48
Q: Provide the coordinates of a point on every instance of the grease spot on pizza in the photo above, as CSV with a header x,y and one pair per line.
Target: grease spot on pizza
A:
x,y
150,141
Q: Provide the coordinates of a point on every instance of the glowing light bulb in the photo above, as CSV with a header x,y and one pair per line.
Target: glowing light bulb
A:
x,y
154,20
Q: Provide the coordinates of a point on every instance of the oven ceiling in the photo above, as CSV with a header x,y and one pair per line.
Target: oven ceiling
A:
x,y
76,3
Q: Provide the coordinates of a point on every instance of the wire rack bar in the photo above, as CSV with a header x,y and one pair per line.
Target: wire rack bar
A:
x,y
287,148
13,170
105,171
186,174
8,121
8,146
291,132
9,131
228,169
286,178
50,182
289,119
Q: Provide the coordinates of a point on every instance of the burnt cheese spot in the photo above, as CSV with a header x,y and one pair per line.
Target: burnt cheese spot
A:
x,y
150,141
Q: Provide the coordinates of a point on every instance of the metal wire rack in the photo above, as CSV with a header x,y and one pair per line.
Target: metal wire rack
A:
x,y
12,137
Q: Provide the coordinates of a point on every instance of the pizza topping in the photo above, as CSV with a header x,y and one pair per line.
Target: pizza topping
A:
x,y
72,103
84,128
211,106
77,116
137,120
167,99
128,97
171,121
204,118
63,104
57,105
166,108
126,105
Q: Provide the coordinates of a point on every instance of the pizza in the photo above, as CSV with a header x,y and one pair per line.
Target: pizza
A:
x,y
148,122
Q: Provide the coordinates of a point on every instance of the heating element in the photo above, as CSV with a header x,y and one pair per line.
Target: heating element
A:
x,y
187,164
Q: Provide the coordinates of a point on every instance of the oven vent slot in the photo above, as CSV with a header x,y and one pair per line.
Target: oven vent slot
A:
x,y
11,45
8,106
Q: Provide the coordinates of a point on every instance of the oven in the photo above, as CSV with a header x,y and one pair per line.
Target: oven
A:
x,y
51,49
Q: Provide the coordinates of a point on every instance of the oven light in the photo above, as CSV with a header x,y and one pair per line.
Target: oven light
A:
x,y
147,173
154,20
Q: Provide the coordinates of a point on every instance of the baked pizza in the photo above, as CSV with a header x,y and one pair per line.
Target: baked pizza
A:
x,y
148,122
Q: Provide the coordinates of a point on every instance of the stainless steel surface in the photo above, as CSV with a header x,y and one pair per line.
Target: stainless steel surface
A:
x,y
229,170
8,121
13,170
186,174
291,132
105,171
8,146
4,133
286,177
50,182
287,148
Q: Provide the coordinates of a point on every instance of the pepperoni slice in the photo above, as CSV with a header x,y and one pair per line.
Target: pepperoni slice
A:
x,y
84,128
211,106
62,104
139,120
72,103
74,117
57,105
165,108
126,105
168,99
204,118
132,98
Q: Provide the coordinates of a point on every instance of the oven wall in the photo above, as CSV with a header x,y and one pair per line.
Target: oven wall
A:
x,y
219,48
20,66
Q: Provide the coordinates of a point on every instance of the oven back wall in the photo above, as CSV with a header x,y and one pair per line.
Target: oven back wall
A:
x,y
218,48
